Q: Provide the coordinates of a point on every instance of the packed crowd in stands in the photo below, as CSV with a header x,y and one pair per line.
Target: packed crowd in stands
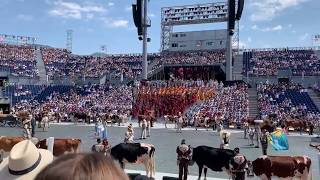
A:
x,y
285,101
301,62
192,57
170,98
230,105
18,60
94,67
92,100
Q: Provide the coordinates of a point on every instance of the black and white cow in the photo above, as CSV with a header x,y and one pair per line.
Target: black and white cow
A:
x,y
218,160
135,153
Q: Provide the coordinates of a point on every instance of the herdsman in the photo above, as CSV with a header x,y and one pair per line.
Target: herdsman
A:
x,y
179,123
144,129
184,156
251,133
264,141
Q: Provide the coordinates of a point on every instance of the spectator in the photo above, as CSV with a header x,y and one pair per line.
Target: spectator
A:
x,y
25,161
94,166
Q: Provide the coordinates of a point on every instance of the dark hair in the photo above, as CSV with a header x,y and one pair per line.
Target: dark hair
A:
x,y
91,166
98,140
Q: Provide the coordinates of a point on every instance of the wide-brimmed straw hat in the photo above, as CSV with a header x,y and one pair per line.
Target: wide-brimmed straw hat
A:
x,y
24,162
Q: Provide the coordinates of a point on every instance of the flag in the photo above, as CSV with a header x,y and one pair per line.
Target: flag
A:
x,y
278,140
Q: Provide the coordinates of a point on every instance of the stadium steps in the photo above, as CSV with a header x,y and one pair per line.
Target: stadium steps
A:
x,y
151,64
253,102
41,66
315,97
238,67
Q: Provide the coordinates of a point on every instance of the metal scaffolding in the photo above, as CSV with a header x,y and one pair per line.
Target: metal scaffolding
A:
x,y
16,40
69,40
188,15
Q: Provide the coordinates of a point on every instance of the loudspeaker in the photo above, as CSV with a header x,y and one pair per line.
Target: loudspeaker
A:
x,y
169,178
240,9
232,14
137,16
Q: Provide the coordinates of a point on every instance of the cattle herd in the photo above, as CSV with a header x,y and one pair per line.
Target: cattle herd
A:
x,y
215,159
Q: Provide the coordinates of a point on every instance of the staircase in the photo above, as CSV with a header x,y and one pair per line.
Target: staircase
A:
x,y
238,67
315,97
41,66
253,103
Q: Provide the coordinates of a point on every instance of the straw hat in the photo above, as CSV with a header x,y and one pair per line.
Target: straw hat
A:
x,y
24,162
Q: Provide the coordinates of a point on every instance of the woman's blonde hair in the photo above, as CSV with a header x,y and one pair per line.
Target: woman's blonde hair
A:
x,y
93,166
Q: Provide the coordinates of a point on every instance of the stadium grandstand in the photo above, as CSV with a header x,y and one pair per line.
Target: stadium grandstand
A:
x,y
204,76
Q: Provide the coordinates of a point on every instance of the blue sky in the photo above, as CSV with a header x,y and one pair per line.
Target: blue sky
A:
x,y
265,23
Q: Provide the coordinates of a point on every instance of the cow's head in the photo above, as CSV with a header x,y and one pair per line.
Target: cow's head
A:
x,y
249,169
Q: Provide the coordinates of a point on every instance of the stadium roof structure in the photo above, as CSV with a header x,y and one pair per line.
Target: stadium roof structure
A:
x,y
216,12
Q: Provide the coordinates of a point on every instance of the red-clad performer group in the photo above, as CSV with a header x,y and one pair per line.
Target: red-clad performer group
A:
x,y
169,100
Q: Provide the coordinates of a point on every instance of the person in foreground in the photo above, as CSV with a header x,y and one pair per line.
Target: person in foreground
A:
x,y
184,156
94,166
24,162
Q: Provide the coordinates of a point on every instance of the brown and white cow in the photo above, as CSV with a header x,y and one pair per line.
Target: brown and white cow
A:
x,y
135,153
61,146
7,142
283,167
295,124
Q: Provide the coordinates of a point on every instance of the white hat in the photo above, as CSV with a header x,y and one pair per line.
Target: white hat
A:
x,y
24,162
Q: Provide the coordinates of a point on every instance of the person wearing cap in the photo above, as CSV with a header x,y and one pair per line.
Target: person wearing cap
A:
x,y
24,162
184,156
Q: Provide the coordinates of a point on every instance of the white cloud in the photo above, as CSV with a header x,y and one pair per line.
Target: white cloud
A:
x,y
111,4
264,10
276,28
119,23
249,39
304,36
151,15
25,17
74,10
115,23
267,29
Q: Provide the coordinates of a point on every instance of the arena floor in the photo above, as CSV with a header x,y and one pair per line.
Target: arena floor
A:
x,y
166,140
